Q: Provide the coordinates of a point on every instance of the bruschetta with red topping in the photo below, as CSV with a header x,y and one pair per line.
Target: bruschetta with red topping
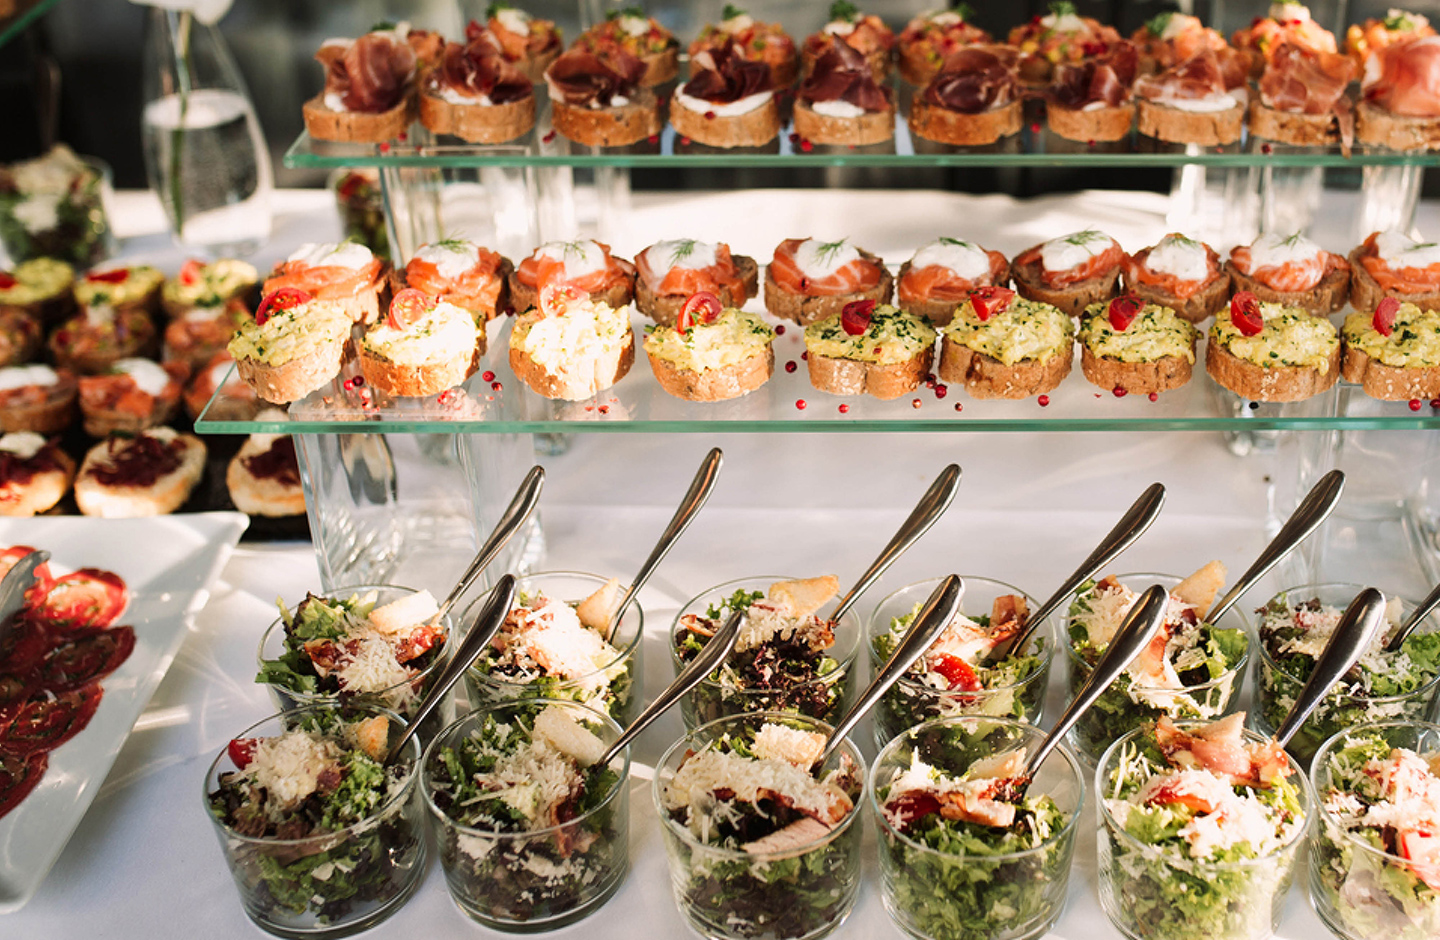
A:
x,y
135,394
758,42
809,280
584,264
840,101
1061,36
369,94
530,44
1400,97
1071,272
124,287
34,473
940,276
1302,98
477,94
866,33
1169,38
211,285
149,474
1291,270
974,100
1393,264
596,98
462,273
37,398
640,36
197,335
346,273
1200,100
264,475
1093,100
729,100
1180,273
931,38
421,347
670,272
1286,23
92,341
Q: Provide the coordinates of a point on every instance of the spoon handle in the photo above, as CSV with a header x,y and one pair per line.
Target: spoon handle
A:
x,y
1131,526
1313,510
705,662
932,505
481,632
941,608
1357,629
526,498
695,497
1427,606
1133,635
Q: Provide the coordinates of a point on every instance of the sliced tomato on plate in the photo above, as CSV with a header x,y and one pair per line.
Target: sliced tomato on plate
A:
x,y
43,723
18,776
85,657
84,599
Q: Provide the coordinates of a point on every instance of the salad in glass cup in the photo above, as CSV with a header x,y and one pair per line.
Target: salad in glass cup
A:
x,y
1294,627
533,834
322,838
964,851
1193,669
789,657
954,676
761,844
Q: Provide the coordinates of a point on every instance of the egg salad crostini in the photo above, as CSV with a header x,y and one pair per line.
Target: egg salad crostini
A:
x,y
1271,352
421,347
1394,353
571,347
136,287
1131,346
41,288
712,353
871,349
293,347
209,285
1003,346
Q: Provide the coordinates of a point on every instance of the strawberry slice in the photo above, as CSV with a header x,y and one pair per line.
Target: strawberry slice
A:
x,y
959,673
286,298
191,271
1123,311
7,280
242,751
115,276
408,308
988,301
701,307
1385,316
1245,313
556,298
855,316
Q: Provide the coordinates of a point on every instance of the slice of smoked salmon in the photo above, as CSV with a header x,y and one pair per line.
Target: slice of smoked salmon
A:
x,y
325,280
859,275
537,271
1092,267
937,282
1137,272
1402,280
1292,275
686,281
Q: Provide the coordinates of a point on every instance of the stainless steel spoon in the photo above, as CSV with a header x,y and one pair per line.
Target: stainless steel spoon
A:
x,y
1313,510
16,582
932,505
481,632
1131,526
1402,633
1358,628
940,608
526,498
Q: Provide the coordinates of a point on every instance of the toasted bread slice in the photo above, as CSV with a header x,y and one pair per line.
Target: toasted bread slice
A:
x,y
523,297
752,129
855,377
270,496
665,308
575,379
1389,383
1073,298
732,381
356,126
1379,128
1321,300
417,381
1135,378
964,130
987,377
806,309
873,127
1197,307
1275,384
1087,126
938,312
660,67
48,482
295,379
1206,128
608,127
166,493
1290,127
1366,293
805,596
1200,588
478,123
45,409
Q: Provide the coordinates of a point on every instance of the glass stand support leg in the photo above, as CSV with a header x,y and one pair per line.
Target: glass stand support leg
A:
x,y
1388,197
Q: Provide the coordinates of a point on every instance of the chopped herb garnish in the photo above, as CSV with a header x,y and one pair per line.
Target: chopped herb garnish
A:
x,y
964,11
1062,8
1400,22
843,11
947,240
731,11
1086,237
1157,25
828,250
496,7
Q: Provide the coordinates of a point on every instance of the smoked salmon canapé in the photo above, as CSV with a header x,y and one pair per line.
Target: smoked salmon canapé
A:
x,y
973,100
758,42
931,38
461,273
529,43
346,273
1180,273
1286,23
1400,97
1302,99
670,272
1071,272
638,35
1060,37
1362,40
809,280
866,33
940,276
369,94
133,395
1394,264
584,264
1168,39
1291,270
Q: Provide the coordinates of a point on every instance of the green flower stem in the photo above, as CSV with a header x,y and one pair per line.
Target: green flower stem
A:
x,y
177,136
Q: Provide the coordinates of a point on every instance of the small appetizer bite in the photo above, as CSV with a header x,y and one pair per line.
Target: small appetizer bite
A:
x,y
293,346
1271,352
135,394
54,207
596,99
147,474
729,100
866,33
369,88
808,280
1002,346
1400,97
37,398
571,347
20,336
462,273
209,285
264,476
941,275
236,400
931,38
1286,23
1394,353
92,341
1130,346
1398,26
1302,98
869,349
1180,273
199,333
713,352
477,94
973,100
1169,38
841,102
1200,100
758,42
670,272
529,44
584,264
1071,272
1094,100
1393,264
136,287
1060,37
345,273
34,473
1291,270
638,35
421,347
40,287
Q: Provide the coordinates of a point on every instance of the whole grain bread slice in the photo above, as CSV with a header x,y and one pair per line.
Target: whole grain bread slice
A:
x,y
987,377
1206,128
806,308
1388,383
1366,293
1135,378
1380,128
1290,127
1073,298
478,123
359,127
1202,304
872,127
1321,300
417,381
960,129
1272,384
1102,124
751,129
882,381
575,379
665,308
295,379
732,381
608,127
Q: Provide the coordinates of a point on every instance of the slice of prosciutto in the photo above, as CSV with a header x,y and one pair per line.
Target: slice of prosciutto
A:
x,y
1107,80
370,74
1305,82
585,78
1202,76
976,79
1405,79
841,73
722,74
479,69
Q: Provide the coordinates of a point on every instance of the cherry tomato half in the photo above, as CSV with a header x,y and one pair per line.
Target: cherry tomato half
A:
x,y
408,308
286,298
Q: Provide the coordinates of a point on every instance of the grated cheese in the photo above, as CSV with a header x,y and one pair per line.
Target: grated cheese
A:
x,y
288,767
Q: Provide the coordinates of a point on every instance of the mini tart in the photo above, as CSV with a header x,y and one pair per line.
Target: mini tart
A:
x,y
40,287
136,394
476,94
1193,298
793,294
461,273
195,336
713,361
1024,350
584,264
346,273
264,477
1326,296
668,272
20,336
640,36
236,400
1154,353
886,361
1402,366
124,288
867,34
575,355
1294,357
440,350
37,398
759,42
529,43
293,352
34,473
149,474
729,101
930,285
1373,279
1091,278
210,285
97,338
